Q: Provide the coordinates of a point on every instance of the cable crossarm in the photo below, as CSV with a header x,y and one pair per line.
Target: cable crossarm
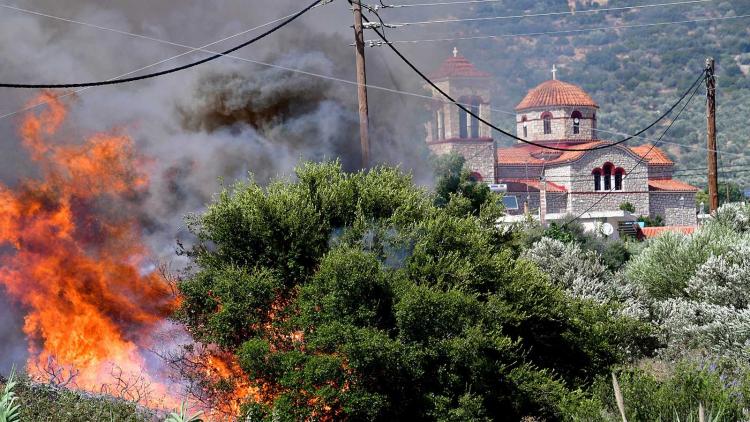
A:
x,y
506,133
640,161
286,22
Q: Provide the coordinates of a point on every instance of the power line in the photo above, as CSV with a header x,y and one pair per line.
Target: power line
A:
x,y
192,50
286,21
378,43
535,15
640,161
285,68
471,113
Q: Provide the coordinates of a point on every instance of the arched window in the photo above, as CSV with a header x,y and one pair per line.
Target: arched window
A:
x,y
593,127
597,173
608,176
474,122
475,177
619,172
440,124
547,118
576,117
525,127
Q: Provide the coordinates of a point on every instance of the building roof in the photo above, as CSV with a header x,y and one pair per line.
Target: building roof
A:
x,y
651,232
458,66
670,185
533,183
652,154
532,154
556,93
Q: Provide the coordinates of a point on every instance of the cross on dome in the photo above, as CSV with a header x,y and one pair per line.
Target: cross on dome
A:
x,y
455,51
554,72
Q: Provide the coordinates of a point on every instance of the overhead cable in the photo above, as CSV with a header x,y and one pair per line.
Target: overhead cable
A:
x,y
476,116
285,68
378,43
284,23
535,15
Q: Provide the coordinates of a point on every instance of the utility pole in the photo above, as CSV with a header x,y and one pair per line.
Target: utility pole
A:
x,y
713,182
364,119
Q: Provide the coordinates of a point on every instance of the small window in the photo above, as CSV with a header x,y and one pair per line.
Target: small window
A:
x,y
619,172
608,176
597,173
525,127
576,116
547,118
440,124
510,202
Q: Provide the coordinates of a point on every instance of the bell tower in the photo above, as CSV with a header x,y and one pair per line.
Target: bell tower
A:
x,y
452,129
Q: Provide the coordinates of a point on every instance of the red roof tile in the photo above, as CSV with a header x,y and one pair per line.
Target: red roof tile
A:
x,y
651,232
532,154
652,155
556,93
458,67
672,185
534,183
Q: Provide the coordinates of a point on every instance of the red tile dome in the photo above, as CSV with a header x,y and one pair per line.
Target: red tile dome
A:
x,y
458,67
556,93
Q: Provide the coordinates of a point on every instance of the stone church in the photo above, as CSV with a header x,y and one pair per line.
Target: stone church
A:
x,y
551,183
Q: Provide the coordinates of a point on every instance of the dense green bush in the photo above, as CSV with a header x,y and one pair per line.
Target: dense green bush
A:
x,y
401,306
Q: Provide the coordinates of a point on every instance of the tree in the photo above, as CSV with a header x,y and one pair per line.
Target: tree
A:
x,y
362,296
733,190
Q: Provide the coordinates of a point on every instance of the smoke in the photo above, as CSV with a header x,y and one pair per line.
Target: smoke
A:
x,y
220,121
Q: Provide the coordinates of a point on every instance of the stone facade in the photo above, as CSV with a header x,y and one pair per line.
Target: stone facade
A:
x,y
562,126
676,208
479,155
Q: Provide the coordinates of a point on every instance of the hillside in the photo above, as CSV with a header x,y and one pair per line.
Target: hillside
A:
x,y
633,73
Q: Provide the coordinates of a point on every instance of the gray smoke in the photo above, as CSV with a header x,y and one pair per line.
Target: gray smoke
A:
x,y
221,120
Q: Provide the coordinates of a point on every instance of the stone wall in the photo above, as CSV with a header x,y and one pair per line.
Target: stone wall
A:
x,y
562,124
479,155
676,208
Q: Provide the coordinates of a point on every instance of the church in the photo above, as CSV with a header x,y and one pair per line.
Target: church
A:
x,y
552,184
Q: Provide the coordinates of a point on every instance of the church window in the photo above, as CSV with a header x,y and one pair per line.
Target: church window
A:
x,y
463,120
525,127
576,116
547,119
597,173
619,173
608,176
475,177
440,124
474,121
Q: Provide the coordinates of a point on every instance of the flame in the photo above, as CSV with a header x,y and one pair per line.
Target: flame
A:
x,y
78,254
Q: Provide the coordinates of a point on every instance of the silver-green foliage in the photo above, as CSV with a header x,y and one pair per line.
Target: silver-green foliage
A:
x,y
9,409
582,275
698,286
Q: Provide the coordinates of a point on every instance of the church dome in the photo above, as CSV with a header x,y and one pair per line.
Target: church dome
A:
x,y
556,93
457,66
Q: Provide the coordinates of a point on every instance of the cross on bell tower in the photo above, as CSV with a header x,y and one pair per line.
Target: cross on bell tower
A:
x,y
554,72
455,51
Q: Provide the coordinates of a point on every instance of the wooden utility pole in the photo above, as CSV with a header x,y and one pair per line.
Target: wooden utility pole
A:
x,y
713,182
364,119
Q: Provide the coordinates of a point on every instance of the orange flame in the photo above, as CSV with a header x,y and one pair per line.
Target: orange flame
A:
x,y
78,254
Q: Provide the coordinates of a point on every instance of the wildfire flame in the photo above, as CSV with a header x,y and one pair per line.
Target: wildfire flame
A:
x,y
78,254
